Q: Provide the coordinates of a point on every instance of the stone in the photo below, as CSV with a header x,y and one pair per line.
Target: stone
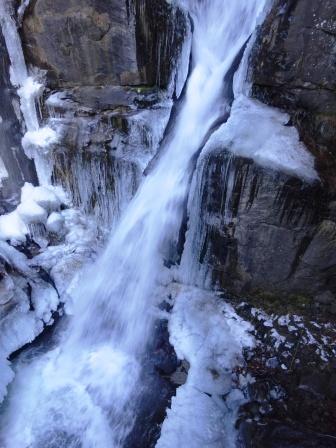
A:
x,y
269,236
272,363
99,43
325,298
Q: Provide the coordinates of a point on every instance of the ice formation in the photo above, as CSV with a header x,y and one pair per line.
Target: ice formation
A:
x,y
25,314
37,139
206,332
34,208
260,132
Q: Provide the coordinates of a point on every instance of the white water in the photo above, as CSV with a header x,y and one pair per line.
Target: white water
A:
x,y
81,393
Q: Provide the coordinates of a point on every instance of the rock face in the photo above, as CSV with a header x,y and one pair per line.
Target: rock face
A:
x,y
107,137
261,231
120,42
18,167
294,68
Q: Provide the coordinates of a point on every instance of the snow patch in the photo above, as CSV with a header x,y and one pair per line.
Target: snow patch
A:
x,y
261,132
36,204
206,332
41,139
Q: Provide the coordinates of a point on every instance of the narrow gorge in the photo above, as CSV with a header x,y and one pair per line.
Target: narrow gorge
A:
x,y
167,223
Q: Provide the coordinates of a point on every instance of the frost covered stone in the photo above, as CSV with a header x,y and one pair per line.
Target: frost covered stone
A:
x,y
31,212
55,222
31,300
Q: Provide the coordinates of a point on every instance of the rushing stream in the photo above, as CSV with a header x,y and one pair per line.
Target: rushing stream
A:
x,y
81,393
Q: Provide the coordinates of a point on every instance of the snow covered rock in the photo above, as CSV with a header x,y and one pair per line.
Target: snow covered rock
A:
x,y
55,222
28,299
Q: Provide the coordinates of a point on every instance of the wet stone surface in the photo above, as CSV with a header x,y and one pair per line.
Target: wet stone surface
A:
x,y
292,393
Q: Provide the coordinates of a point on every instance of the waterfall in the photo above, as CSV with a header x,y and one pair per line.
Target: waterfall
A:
x,y
82,393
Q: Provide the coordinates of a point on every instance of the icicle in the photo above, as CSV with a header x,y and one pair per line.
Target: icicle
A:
x,y
35,143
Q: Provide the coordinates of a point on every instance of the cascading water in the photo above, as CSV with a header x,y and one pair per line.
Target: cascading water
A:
x,y
81,393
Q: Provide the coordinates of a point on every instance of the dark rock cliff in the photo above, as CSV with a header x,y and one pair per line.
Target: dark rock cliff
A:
x,y
127,42
263,230
111,63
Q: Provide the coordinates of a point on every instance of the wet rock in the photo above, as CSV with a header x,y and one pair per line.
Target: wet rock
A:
x,y
156,391
101,43
179,377
325,298
262,232
292,407
315,383
284,436
272,363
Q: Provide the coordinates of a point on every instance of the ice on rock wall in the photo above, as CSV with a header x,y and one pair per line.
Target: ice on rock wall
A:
x,y
64,260
206,332
27,301
38,139
101,181
100,185
260,132
3,170
253,130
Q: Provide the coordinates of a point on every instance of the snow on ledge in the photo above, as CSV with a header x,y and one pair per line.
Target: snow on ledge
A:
x,y
42,139
260,132
206,332
36,204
